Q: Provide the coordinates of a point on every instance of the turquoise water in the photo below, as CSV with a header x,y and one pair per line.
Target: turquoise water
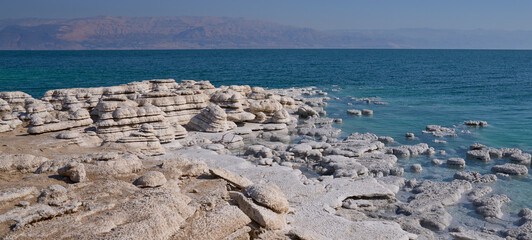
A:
x,y
422,87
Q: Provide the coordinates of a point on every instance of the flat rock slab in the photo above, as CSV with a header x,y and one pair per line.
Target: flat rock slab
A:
x,y
263,216
235,179
511,169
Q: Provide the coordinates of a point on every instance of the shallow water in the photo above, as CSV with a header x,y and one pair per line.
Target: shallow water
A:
x,y
443,87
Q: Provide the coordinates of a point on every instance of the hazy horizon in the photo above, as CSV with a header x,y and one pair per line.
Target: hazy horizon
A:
x,y
334,15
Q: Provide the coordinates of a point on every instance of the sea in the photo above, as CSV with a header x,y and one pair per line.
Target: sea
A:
x,y
420,87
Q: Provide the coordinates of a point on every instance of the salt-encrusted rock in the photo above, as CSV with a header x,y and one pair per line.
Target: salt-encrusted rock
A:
x,y
427,205
367,112
386,140
20,162
185,167
120,117
8,120
409,135
507,152
74,171
411,150
456,162
211,119
439,131
345,167
354,112
12,194
473,235
524,231
472,123
68,135
282,116
475,177
143,140
416,168
263,216
480,155
16,98
151,179
306,112
227,222
511,169
520,158
266,106
53,195
495,153
269,195
477,146
180,132
436,161
232,102
489,207
237,180
78,118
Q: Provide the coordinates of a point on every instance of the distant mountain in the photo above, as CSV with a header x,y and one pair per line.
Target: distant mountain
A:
x,y
216,33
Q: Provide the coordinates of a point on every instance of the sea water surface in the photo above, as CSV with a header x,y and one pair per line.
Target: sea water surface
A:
x,y
421,87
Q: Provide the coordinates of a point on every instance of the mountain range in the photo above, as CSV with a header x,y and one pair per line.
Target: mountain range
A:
x,y
105,32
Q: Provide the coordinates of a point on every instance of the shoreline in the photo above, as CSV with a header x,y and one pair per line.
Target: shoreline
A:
x,y
111,137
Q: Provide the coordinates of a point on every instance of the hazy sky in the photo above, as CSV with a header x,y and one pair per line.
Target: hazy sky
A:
x,y
333,14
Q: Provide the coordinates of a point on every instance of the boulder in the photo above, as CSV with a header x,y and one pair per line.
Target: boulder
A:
x,y
268,195
150,179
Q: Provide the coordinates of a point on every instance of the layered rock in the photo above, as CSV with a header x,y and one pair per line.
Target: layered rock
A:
x,y
119,117
8,121
211,119
143,140
78,118
232,102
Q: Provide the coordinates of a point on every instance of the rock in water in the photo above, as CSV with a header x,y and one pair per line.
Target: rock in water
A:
x,y
456,162
511,169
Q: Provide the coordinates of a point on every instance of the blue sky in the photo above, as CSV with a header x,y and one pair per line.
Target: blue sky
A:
x,y
323,15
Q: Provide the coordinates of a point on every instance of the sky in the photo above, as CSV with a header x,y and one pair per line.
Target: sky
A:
x,y
322,15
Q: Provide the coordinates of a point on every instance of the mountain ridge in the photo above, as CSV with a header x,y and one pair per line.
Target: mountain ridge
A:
x,y
191,32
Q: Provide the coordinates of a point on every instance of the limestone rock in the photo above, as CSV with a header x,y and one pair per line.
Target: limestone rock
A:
x,y
211,119
151,179
78,118
263,216
221,223
20,162
144,140
74,171
269,195
237,180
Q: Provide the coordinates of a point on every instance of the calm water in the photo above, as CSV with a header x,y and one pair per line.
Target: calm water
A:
x,y
422,87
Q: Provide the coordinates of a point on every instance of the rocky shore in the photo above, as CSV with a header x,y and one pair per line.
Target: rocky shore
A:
x,y
161,159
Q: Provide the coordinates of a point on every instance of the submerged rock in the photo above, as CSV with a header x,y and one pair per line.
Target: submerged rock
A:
x,y
511,169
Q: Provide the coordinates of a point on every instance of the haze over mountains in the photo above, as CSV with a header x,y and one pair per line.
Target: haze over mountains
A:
x,y
232,33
